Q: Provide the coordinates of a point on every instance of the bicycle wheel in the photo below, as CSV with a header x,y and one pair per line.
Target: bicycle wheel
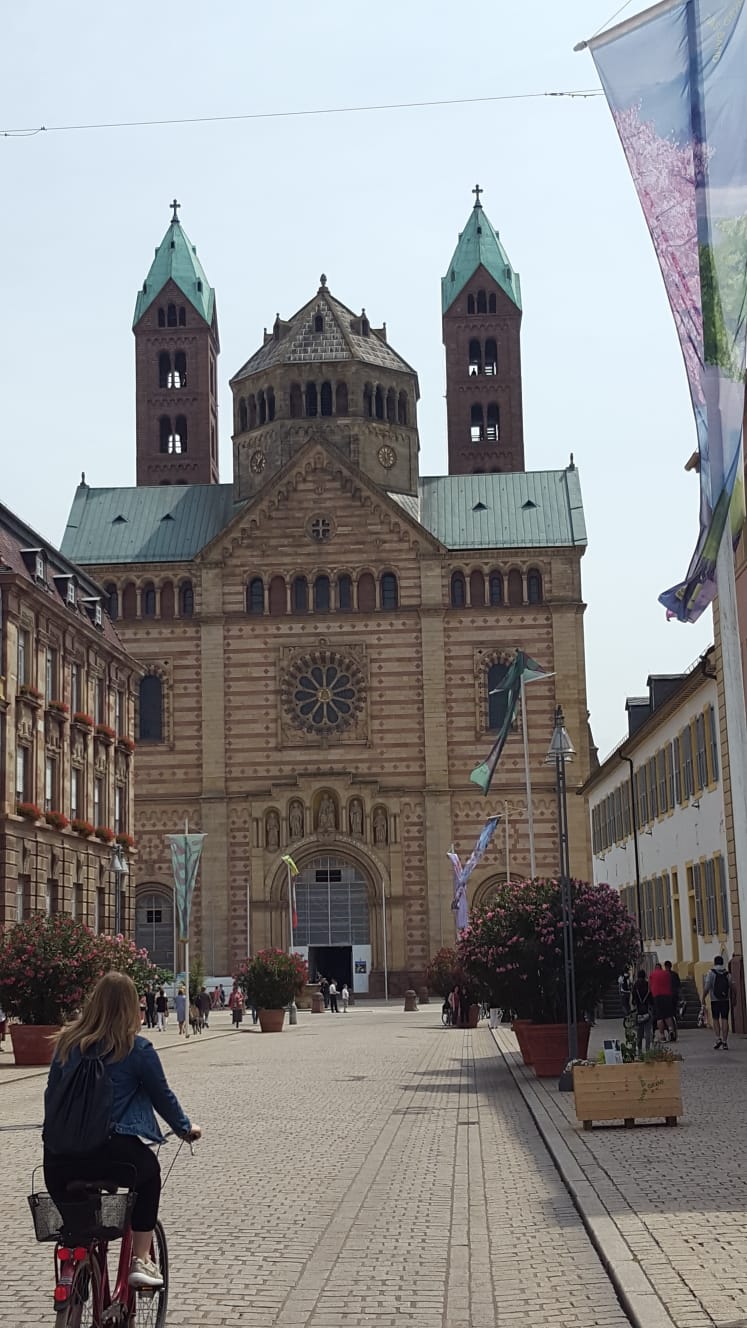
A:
x,y
150,1308
79,1311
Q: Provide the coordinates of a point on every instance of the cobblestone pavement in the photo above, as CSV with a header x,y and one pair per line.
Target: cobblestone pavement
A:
x,y
677,1197
371,1170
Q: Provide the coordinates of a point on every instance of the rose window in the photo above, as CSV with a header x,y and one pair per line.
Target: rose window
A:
x,y
323,691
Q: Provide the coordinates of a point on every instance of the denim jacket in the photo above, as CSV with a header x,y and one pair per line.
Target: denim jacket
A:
x,y
139,1084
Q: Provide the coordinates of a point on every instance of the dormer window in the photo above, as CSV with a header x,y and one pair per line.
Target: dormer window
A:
x,y
36,562
70,592
92,605
65,583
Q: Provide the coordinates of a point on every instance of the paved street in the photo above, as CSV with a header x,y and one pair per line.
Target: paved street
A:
x,y
372,1170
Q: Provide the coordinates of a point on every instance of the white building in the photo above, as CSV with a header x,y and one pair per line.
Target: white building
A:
x,y
657,820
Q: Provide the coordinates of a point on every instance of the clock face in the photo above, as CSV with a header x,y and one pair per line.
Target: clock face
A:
x,y
387,456
257,462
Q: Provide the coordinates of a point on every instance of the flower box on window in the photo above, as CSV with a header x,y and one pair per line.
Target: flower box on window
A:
x,y
127,744
29,811
125,840
83,720
105,833
30,693
59,708
57,820
106,732
82,828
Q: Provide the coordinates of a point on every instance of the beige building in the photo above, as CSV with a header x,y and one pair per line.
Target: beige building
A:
x,y
67,697
322,637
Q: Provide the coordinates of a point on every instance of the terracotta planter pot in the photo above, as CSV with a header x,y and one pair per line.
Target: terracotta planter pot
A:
x,y
271,1021
473,1016
519,1029
32,1043
548,1047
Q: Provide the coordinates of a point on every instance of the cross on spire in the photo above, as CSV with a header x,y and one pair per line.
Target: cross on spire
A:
x,y
176,207
477,191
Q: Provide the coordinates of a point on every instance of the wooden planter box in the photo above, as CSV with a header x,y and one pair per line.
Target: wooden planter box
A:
x,y
639,1091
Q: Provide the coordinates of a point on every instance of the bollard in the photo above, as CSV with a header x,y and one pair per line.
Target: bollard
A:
x,y
293,1013
411,1001
424,997
317,1003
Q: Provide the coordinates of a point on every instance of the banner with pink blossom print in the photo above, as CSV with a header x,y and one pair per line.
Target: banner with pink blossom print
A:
x,y
675,78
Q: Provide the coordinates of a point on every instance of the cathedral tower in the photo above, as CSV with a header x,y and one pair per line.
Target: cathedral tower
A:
x,y
176,353
481,319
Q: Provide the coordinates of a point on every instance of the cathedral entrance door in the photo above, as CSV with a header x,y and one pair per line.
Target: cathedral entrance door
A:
x,y
332,902
332,961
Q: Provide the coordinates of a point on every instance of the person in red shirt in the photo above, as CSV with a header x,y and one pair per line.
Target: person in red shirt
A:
x,y
660,986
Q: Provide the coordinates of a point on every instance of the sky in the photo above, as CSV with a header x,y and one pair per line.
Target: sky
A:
x,y
375,199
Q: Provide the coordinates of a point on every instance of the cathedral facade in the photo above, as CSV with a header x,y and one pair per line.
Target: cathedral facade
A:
x,y
323,637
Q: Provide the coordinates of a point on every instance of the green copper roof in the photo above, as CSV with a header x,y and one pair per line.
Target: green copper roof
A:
x,y
537,509
158,523
176,260
479,246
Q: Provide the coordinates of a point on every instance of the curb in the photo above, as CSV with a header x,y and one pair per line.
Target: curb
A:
x,y
635,1291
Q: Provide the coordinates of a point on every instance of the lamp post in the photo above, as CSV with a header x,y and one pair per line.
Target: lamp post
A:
x,y
560,751
119,868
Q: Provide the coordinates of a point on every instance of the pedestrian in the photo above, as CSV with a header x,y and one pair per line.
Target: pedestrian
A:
x,y
162,1010
660,983
236,1006
642,1006
150,1007
181,1009
222,997
676,988
324,988
3,1027
718,986
203,1005
333,997
109,1026
345,997
623,986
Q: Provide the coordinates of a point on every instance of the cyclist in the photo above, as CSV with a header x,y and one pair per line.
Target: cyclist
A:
x,y
109,1027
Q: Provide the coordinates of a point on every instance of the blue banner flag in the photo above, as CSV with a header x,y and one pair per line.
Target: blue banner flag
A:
x,y
463,873
676,83
522,669
185,859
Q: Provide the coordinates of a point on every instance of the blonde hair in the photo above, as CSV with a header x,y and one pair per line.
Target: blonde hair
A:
x,y
109,1020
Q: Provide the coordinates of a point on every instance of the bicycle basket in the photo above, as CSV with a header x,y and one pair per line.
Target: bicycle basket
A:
x,y
97,1217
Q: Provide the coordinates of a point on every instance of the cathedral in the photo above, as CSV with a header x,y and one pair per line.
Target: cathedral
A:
x,y
323,636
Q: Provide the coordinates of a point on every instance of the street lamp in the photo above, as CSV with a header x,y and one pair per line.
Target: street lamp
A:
x,y
560,751
120,869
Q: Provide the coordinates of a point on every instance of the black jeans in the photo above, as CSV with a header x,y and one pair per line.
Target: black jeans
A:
x,y
333,1004
114,1161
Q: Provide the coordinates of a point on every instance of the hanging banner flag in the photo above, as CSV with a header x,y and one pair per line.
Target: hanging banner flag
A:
x,y
185,859
463,873
292,873
674,78
521,668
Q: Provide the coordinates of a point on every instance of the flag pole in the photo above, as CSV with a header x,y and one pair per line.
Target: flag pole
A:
x,y
508,849
383,933
186,945
528,782
290,908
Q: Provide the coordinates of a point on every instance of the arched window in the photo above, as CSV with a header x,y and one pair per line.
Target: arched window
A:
x,y
515,588
180,435
402,408
311,399
150,719
391,406
344,592
164,369
366,593
458,590
321,594
112,600
167,599
491,304
491,357
278,597
379,402
242,414
148,600
326,399
171,316
161,318
496,588
389,591
261,408
318,323
255,595
270,396
493,432
476,429
368,400
534,586
470,304
186,599
164,432
129,601
341,399
300,595
482,303
179,377
475,357
296,401
252,408
497,701
182,316
476,589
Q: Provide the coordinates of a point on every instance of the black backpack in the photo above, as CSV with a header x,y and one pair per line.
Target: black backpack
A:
x,y
78,1109
720,984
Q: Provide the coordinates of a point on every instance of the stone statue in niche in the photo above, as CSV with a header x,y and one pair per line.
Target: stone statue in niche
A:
x,y
379,826
295,820
327,814
272,830
356,818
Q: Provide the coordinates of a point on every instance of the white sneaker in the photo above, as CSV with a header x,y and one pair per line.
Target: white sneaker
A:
x,y
143,1273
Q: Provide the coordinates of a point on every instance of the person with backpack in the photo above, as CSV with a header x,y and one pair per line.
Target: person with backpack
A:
x,y
660,982
717,985
642,1006
104,1084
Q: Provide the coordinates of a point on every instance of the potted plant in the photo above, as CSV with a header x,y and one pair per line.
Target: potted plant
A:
x,y
270,981
125,841
30,693
81,827
105,834
127,745
60,708
638,1089
57,820
513,947
47,966
105,732
29,811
